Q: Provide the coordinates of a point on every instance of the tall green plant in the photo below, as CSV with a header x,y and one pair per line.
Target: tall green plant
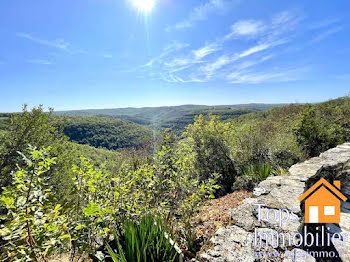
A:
x,y
146,241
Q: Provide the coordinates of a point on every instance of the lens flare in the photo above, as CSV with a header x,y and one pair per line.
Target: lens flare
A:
x,y
145,6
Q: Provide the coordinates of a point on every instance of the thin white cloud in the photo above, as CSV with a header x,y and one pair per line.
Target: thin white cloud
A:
x,y
251,63
177,62
260,47
326,34
205,51
173,47
58,43
251,78
108,56
324,23
258,77
247,28
201,13
243,55
40,62
216,65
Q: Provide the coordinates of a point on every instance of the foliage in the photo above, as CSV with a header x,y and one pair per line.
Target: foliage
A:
x,y
182,188
104,200
110,133
92,213
252,175
69,154
99,191
324,126
209,140
30,127
267,137
4,121
147,240
34,226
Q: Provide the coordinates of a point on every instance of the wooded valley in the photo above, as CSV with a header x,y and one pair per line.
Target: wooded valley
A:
x,y
93,183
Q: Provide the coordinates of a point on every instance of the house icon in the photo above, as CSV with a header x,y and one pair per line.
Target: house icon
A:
x,y
322,202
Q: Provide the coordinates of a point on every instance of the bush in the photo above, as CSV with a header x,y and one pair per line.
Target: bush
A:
x,y
209,141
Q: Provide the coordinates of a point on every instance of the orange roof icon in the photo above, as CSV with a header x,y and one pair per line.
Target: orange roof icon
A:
x,y
322,202
329,186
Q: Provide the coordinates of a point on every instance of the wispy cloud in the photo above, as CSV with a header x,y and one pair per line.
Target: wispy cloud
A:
x,y
205,51
162,59
58,43
257,77
324,23
248,53
108,56
209,69
325,34
40,62
258,48
201,13
173,47
247,28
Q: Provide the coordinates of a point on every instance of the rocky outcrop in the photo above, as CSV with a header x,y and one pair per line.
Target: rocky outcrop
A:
x,y
263,226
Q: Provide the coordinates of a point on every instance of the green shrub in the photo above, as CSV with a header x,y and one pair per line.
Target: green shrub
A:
x,y
209,141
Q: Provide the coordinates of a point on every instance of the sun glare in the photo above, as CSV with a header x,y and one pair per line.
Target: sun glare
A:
x,y
145,6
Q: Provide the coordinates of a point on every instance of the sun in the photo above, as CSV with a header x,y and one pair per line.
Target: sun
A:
x,y
144,6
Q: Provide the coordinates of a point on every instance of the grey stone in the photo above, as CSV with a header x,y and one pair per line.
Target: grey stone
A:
x,y
235,243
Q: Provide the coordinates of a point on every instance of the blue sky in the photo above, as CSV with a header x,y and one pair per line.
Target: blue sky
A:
x,y
108,53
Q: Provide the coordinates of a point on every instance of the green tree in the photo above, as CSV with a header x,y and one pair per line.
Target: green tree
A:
x,y
324,126
33,127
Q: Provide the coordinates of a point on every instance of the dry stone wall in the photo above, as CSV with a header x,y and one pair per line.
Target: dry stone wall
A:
x,y
279,195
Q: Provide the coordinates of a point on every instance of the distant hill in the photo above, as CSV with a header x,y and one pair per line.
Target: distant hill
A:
x,y
174,117
4,120
106,132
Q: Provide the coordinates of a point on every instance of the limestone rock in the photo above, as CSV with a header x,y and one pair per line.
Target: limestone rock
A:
x,y
235,243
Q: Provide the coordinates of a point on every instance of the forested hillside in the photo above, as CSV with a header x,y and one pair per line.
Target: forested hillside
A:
x,y
174,117
4,120
59,197
110,133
